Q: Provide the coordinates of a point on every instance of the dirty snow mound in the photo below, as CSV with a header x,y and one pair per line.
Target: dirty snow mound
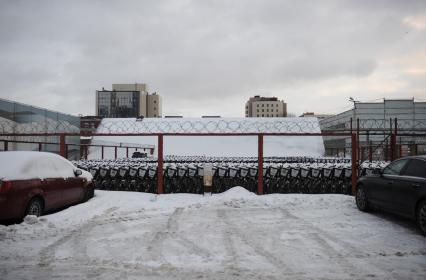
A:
x,y
236,193
31,219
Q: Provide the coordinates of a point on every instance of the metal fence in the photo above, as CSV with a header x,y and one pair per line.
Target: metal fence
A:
x,y
258,128
160,145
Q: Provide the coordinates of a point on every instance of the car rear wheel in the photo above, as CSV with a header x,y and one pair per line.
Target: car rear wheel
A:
x,y
421,216
361,199
34,207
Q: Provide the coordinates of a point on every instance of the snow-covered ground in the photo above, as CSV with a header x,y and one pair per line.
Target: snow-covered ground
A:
x,y
234,235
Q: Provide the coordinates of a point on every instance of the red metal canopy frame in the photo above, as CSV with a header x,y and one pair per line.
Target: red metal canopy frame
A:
x,y
160,158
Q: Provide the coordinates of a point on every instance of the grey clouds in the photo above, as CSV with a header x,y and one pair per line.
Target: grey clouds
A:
x,y
208,57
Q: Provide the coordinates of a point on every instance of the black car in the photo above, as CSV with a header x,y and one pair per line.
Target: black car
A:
x,y
399,188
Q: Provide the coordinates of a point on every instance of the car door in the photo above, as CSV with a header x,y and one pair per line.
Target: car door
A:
x,y
75,188
52,189
381,188
72,189
407,190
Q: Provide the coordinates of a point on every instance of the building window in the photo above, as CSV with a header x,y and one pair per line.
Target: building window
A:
x,y
267,110
258,110
155,115
263,105
155,101
263,115
257,105
277,110
263,110
267,105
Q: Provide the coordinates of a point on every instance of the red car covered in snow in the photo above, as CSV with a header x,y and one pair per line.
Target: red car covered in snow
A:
x,y
32,183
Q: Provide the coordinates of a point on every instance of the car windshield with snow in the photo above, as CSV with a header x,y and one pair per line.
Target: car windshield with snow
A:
x,y
32,183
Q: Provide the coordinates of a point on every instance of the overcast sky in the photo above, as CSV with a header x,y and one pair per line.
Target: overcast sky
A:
x,y
209,57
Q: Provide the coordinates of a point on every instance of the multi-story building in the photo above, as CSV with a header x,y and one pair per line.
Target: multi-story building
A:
x,y
128,101
265,107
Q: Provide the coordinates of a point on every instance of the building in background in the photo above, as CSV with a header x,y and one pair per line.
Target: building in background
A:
x,y
128,101
265,107
26,119
89,124
313,115
378,116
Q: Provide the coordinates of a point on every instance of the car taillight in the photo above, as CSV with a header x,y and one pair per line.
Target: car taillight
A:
x,y
5,186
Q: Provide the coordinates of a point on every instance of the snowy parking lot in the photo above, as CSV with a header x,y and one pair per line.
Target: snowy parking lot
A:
x,y
233,235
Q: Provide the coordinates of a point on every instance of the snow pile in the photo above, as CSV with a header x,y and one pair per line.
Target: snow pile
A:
x,y
31,219
215,145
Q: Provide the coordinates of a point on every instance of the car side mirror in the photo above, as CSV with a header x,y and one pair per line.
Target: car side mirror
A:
x,y
77,172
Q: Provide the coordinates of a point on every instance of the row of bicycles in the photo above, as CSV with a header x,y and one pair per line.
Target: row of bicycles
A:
x,y
185,174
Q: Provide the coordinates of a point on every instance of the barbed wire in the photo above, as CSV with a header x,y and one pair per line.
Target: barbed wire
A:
x,y
45,126
371,124
219,125
291,125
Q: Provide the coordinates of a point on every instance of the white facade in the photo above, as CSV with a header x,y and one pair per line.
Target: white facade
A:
x,y
265,107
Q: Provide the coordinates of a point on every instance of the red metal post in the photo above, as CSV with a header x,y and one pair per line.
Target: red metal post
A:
x,y
400,149
160,189
370,152
86,148
393,147
115,152
6,146
260,164
66,150
354,163
40,147
102,152
62,146
357,140
396,126
127,152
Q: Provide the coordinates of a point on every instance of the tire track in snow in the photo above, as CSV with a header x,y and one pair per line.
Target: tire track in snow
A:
x,y
172,232
47,254
309,227
228,242
234,230
155,246
325,241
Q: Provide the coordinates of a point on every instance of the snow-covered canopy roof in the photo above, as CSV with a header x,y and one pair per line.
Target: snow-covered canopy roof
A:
x,y
210,125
